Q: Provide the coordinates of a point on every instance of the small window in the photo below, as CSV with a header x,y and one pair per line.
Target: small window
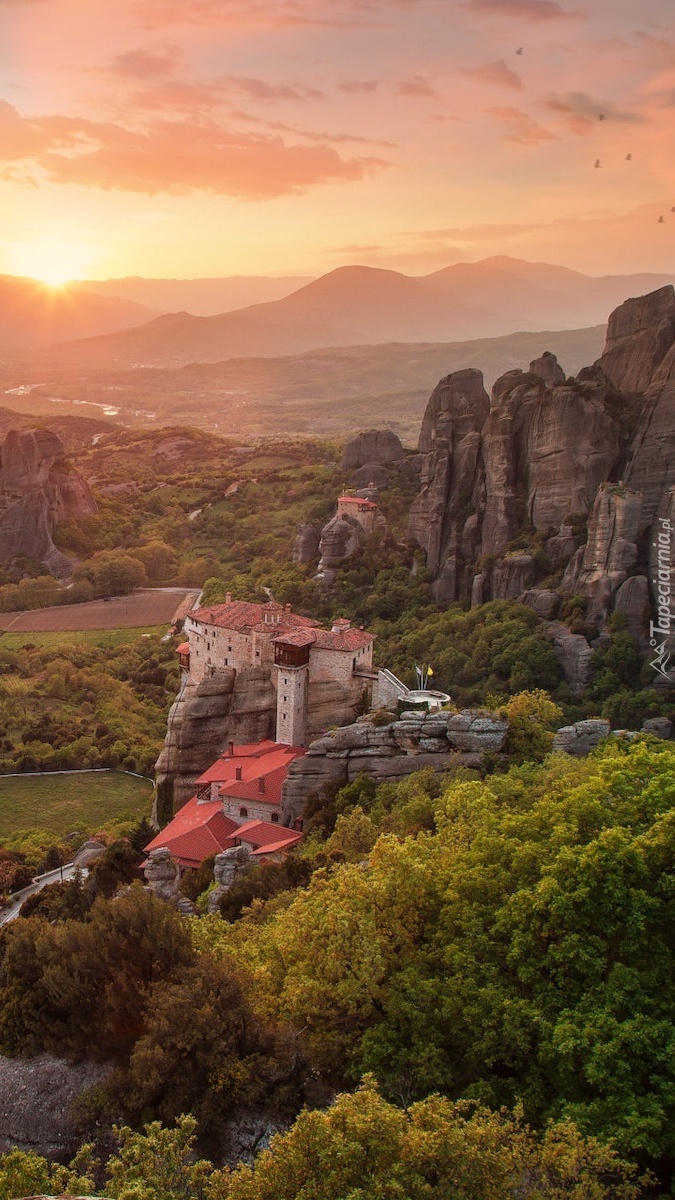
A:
x,y
243,812
274,818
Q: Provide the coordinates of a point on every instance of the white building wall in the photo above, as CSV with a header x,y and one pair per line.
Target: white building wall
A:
x,y
256,810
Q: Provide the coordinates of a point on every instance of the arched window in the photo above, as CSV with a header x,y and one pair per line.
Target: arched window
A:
x,y
243,812
274,818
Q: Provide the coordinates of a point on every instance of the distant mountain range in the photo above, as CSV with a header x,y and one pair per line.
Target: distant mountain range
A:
x,y
368,306
200,297
33,314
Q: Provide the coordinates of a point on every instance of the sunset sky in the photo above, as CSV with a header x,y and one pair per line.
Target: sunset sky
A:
x,y
217,137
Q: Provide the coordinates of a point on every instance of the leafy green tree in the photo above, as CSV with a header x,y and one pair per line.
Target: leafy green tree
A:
x,y
158,1164
364,1148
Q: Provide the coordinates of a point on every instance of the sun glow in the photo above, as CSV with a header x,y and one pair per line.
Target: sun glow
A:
x,y
53,263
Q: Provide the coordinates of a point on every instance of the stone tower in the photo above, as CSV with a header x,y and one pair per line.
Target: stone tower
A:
x,y
291,660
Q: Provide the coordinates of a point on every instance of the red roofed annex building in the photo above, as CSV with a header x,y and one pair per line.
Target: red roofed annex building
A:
x,y
237,802
319,675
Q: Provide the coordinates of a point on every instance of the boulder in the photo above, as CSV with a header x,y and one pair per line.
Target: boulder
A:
x,y
548,368
162,874
37,1098
660,727
581,738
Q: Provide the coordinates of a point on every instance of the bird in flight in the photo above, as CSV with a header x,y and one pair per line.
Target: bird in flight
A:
x,y
520,50
661,221
601,116
597,163
629,157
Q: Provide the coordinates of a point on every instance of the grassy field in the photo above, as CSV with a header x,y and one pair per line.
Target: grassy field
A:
x,y
107,638
62,804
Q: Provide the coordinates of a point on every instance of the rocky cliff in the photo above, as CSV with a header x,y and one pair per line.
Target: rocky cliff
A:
x,y
556,485
391,750
38,491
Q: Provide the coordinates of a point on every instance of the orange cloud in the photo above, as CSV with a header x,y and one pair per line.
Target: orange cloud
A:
x,y
495,72
171,156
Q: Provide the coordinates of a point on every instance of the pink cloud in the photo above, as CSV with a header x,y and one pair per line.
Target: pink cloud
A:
x,y
176,157
497,73
260,89
526,10
144,64
520,127
417,86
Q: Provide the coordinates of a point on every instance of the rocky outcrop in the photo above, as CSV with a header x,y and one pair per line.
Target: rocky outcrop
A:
x,y
375,446
227,866
306,544
228,706
581,738
399,747
554,485
38,491
340,538
162,874
37,1096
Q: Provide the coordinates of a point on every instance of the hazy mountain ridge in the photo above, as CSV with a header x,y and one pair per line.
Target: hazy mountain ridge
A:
x,y
33,313
320,391
366,305
200,297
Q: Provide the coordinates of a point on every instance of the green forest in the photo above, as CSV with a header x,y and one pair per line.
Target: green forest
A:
x,y
475,974
457,985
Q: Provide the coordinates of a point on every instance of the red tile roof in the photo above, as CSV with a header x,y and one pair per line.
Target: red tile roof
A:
x,y
296,637
360,500
198,830
267,837
244,616
184,648
351,639
259,760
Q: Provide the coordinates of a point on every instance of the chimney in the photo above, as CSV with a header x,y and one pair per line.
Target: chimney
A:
x,y
261,786
230,749
237,772
228,597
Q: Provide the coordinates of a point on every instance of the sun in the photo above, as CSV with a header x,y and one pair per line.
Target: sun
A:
x,y
52,262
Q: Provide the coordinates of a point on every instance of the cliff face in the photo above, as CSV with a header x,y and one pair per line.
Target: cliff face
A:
x,y
554,485
38,490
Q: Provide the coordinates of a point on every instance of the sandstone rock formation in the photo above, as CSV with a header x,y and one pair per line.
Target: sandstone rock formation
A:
x,y
162,874
374,446
555,486
228,706
38,491
227,866
441,740
306,544
340,538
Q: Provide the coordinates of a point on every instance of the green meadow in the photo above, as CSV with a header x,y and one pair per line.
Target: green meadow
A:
x,y
61,804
